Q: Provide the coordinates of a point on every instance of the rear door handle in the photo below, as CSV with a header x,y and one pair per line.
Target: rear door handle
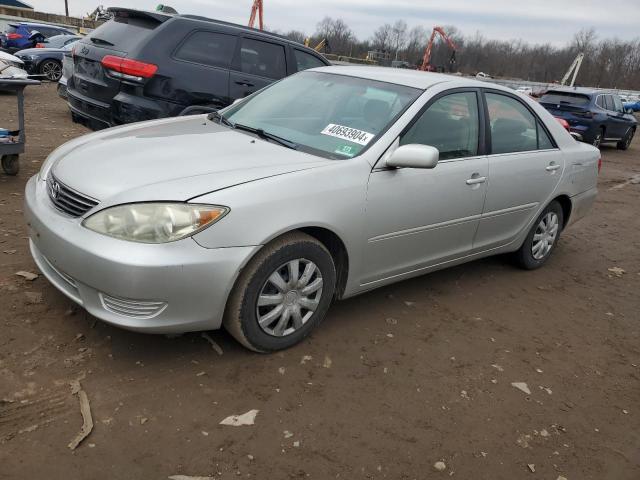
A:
x,y
244,83
552,167
476,180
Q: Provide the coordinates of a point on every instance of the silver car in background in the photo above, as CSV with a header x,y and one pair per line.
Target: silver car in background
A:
x,y
325,185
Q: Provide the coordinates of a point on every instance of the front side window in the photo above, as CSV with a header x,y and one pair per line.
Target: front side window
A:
x,y
450,124
333,116
305,60
513,126
208,48
262,59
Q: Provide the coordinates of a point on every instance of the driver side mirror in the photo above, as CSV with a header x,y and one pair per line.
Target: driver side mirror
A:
x,y
414,156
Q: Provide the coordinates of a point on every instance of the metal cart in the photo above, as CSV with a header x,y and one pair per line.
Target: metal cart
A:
x,y
11,151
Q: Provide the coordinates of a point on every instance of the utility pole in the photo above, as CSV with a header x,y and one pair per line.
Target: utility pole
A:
x,y
66,7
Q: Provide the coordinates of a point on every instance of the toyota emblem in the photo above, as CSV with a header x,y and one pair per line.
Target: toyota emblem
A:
x,y
54,189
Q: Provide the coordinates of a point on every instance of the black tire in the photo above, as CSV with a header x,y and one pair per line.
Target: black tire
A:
x,y
597,140
241,315
524,256
52,70
11,164
625,143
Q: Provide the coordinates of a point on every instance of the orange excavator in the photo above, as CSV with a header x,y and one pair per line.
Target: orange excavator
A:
x,y
256,10
426,59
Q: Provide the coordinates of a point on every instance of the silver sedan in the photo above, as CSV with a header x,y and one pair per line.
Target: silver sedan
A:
x,y
325,185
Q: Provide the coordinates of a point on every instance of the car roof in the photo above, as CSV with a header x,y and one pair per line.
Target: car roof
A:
x,y
580,90
33,24
402,76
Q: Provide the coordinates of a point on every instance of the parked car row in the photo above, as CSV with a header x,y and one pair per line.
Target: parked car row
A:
x,y
27,35
47,59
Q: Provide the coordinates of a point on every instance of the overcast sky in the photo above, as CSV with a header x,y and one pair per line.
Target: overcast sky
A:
x,y
536,21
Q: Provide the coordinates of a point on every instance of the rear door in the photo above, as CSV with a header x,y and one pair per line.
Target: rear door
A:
x,y
618,123
117,37
525,167
257,63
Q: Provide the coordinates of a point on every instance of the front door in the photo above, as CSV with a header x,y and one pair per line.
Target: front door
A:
x,y
416,218
525,168
258,64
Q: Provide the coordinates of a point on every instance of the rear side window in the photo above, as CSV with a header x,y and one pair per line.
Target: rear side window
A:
x,y
608,101
208,48
600,101
567,98
122,33
262,59
544,142
513,126
617,103
305,60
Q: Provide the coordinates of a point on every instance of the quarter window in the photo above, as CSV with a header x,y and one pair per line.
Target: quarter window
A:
x,y
208,48
450,124
617,103
262,59
513,126
305,60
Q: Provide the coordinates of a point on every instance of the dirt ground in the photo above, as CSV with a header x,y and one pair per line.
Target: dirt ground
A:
x,y
392,382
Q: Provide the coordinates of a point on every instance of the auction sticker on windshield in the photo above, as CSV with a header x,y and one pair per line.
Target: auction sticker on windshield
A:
x,y
347,133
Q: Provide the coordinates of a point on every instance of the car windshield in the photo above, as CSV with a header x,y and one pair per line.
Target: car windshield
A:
x,y
575,99
333,116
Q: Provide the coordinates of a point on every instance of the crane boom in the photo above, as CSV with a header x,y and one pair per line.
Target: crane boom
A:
x,y
426,59
574,68
256,10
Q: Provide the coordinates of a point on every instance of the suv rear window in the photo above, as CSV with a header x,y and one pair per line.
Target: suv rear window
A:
x,y
208,48
569,98
122,33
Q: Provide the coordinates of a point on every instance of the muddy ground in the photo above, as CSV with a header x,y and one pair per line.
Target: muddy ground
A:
x,y
392,382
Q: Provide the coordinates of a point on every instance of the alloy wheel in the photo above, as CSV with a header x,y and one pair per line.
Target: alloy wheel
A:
x,y
598,140
289,297
545,236
52,70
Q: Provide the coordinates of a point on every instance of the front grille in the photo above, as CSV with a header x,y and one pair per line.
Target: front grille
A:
x,y
132,308
68,200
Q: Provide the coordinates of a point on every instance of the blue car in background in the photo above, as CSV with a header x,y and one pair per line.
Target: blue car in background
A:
x,y
21,35
597,116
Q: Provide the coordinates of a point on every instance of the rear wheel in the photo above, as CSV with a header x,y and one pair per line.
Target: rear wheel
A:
x,y
625,143
11,164
52,70
542,238
597,140
282,294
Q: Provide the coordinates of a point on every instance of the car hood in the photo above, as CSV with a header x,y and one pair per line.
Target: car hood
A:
x,y
172,159
38,51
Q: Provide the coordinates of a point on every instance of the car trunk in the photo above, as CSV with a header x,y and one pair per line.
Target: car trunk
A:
x,y
93,83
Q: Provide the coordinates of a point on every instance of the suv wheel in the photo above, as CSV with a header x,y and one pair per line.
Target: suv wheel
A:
x,y
625,143
597,140
52,70
282,294
542,238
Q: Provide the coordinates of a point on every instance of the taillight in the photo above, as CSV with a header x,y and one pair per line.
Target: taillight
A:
x,y
129,67
599,164
564,123
13,36
39,45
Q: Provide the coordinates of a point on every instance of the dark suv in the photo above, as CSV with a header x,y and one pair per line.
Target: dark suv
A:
x,y
146,65
597,115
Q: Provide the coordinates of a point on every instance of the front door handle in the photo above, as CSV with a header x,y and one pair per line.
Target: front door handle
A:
x,y
552,167
244,83
474,180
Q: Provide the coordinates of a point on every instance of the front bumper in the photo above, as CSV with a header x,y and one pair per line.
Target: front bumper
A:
x,y
167,288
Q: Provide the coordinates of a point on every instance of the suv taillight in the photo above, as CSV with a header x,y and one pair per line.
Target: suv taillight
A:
x,y
39,45
13,36
129,67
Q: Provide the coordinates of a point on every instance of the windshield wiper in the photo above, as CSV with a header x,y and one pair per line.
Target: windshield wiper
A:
x,y
269,136
222,120
101,41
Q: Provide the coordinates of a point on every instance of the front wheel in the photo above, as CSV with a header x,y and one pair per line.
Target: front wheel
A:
x,y
282,294
52,70
542,238
625,143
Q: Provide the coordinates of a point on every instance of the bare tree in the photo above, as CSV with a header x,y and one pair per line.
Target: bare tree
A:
x,y
399,35
381,39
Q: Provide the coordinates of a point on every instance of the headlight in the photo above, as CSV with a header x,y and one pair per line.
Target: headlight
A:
x,y
154,222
